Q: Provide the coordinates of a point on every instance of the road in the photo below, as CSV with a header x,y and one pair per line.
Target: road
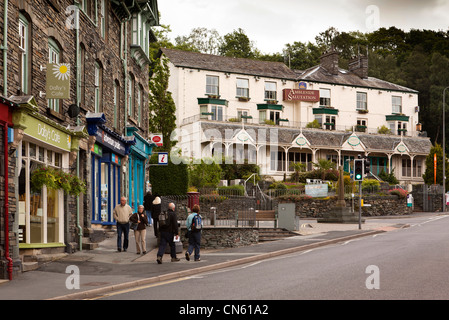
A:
x,y
410,263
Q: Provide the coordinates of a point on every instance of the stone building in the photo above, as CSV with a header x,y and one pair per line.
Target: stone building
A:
x,y
97,131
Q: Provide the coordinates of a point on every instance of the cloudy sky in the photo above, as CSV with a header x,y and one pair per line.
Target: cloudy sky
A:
x,y
272,24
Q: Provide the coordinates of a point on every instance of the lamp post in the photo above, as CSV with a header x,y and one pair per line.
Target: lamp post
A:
x,y
444,151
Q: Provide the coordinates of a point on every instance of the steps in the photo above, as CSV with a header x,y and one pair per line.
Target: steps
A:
x,y
273,234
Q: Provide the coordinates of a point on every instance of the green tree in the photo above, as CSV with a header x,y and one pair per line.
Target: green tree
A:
x,y
323,166
237,44
170,179
428,175
162,108
201,40
207,173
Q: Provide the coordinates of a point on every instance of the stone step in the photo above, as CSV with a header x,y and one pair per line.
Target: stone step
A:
x,y
29,266
274,234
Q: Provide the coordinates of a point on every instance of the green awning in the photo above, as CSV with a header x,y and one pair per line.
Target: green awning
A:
x,y
325,111
267,106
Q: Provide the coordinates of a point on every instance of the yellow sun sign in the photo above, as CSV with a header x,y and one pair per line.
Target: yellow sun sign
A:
x,y
58,81
61,71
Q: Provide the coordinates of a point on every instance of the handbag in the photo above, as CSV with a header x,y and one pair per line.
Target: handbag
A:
x,y
133,225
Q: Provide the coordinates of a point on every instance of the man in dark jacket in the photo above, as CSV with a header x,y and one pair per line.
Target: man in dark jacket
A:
x,y
168,232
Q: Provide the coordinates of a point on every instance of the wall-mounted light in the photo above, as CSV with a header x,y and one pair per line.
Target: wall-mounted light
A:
x,y
227,74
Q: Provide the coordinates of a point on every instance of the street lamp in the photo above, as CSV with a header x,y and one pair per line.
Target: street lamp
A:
x,y
444,151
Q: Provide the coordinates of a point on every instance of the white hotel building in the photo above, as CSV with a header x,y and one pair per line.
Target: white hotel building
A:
x,y
263,111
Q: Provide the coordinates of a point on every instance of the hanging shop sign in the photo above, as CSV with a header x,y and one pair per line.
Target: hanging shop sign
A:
x,y
58,81
156,138
301,95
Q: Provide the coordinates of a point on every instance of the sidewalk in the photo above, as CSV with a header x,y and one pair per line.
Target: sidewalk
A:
x,y
104,269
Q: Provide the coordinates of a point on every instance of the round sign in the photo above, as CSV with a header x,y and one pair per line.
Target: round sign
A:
x,y
354,141
243,136
301,141
156,139
401,148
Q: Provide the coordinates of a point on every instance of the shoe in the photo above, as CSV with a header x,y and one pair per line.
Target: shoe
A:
x,y
198,259
144,252
124,250
174,259
159,260
187,256
119,250
138,252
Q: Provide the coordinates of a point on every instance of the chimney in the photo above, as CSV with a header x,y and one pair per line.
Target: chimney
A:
x,y
329,61
359,66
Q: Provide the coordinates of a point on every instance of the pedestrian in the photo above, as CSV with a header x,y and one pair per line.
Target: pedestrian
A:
x,y
155,211
168,232
140,232
121,214
148,202
193,235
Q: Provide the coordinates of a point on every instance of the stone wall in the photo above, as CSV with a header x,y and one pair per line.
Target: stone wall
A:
x,y
223,237
379,206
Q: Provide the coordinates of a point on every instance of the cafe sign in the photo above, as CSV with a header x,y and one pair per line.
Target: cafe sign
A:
x,y
46,133
58,81
301,95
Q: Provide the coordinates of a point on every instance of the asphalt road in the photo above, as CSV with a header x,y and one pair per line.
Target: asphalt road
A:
x,y
410,263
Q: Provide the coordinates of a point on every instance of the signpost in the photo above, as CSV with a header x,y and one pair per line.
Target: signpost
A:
x,y
163,158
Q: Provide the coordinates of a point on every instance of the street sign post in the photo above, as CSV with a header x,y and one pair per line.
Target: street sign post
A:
x,y
163,158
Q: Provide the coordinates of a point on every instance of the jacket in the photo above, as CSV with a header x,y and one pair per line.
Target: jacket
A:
x,y
148,201
173,227
143,220
156,208
122,213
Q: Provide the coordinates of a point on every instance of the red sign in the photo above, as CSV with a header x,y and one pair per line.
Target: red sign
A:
x,y
301,95
156,139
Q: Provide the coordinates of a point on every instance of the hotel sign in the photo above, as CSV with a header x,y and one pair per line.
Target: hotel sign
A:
x,y
301,95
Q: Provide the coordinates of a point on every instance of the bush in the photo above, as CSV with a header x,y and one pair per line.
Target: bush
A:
x,y
171,179
277,185
238,190
370,185
401,193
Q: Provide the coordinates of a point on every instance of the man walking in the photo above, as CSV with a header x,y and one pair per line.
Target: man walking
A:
x,y
148,203
121,214
167,232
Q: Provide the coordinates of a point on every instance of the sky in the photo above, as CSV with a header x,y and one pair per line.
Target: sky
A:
x,y
271,24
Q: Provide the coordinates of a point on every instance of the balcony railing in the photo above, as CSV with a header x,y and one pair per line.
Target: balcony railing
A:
x,y
247,120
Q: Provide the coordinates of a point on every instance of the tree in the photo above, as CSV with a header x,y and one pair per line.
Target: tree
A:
x,y
162,108
237,44
323,166
428,175
205,174
202,40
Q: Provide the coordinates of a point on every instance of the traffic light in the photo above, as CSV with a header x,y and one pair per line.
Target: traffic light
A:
x,y
367,166
358,169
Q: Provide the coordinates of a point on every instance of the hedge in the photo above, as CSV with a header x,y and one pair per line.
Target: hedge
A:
x,y
171,179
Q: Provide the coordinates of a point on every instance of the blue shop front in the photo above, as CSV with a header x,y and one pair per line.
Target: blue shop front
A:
x,y
138,157
107,156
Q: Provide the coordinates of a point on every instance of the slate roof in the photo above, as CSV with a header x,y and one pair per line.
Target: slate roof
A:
x,y
319,138
244,66
345,77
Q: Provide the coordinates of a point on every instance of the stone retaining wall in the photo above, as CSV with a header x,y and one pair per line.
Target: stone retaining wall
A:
x,y
379,206
224,237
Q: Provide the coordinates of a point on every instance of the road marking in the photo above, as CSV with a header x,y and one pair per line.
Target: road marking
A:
x,y
140,288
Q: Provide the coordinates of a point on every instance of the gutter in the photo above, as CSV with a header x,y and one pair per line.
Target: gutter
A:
x,y
78,99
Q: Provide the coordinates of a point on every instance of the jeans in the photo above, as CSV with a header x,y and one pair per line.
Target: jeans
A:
x,y
150,220
122,228
167,237
194,243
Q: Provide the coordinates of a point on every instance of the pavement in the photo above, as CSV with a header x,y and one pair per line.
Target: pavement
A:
x,y
88,274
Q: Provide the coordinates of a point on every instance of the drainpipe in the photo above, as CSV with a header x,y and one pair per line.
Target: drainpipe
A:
x,y
78,99
5,50
7,257
124,57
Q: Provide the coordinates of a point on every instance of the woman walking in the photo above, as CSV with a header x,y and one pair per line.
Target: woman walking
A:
x,y
193,224
140,232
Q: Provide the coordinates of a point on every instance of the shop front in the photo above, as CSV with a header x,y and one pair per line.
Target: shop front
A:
x,y
43,152
138,157
109,152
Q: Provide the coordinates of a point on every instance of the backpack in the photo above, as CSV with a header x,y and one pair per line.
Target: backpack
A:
x,y
197,223
164,219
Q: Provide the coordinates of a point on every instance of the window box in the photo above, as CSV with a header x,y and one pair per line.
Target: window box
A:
x,y
207,113
246,117
213,96
362,111
243,99
360,128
